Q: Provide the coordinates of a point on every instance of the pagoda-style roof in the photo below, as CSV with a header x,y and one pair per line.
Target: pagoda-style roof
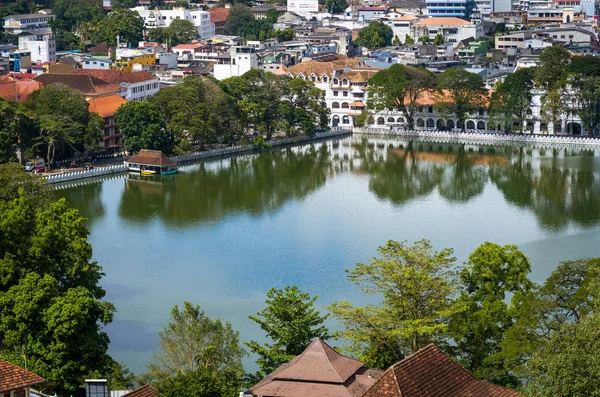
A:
x,y
318,371
151,157
430,372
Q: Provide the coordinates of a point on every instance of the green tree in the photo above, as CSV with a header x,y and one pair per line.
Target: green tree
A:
x,y
51,308
11,123
551,70
511,100
291,322
192,341
409,40
123,4
336,6
122,22
182,31
585,91
142,127
201,383
478,330
304,108
396,41
424,39
586,65
438,39
71,13
273,15
238,18
13,180
554,106
417,285
376,34
463,93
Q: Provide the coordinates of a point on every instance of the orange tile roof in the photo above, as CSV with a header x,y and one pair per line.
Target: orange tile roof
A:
x,y
106,106
13,377
17,90
188,46
406,18
117,77
218,15
143,391
358,76
442,21
87,85
429,372
357,104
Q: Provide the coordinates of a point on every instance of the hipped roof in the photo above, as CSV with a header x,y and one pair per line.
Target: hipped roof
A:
x,y
106,106
151,157
13,377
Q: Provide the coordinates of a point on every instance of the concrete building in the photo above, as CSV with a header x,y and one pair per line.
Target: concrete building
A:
x,y
96,63
17,24
105,107
134,86
40,43
163,18
451,28
450,8
509,18
241,60
370,13
402,26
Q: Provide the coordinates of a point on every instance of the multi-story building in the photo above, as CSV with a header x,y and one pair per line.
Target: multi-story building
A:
x,y
533,38
17,24
163,18
509,18
134,86
451,28
40,43
450,8
241,60
402,26
370,13
553,15
106,106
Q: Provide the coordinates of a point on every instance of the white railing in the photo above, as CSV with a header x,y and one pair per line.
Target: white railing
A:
x,y
489,136
67,176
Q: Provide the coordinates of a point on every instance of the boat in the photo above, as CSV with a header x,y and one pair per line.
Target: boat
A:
x,y
152,162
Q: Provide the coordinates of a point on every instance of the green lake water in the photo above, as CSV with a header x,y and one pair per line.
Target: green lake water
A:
x,y
222,232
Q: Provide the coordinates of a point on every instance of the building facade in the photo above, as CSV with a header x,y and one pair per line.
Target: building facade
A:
x,y
17,24
450,8
163,18
40,43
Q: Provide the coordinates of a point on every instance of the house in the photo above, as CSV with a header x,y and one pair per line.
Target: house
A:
x,y
163,18
509,18
429,372
401,26
89,86
143,391
217,17
40,43
371,13
135,86
260,12
16,381
96,63
241,60
17,24
450,8
105,107
318,371
451,28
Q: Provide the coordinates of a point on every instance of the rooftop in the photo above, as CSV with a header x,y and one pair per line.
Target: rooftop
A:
x,y
151,157
87,85
13,377
143,391
106,106
28,16
17,90
429,372
114,76
442,21
218,15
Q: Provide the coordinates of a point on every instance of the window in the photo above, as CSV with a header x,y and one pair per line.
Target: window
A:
x,y
335,93
345,93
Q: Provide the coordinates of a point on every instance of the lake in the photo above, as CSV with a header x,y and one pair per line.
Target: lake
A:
x,y
222,232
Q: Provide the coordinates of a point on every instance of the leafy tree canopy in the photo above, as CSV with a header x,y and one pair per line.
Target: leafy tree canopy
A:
x,y
336,6
122,22
142,127
376,34
464,93
551,70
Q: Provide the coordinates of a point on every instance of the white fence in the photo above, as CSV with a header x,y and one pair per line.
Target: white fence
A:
x,y
493,137
71,176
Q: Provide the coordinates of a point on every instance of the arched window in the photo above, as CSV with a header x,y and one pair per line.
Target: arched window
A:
x,y
380,121
390,119
335,121
335,105
440,124
430,123
371,120
400,120
450,124
544,127
529,126
529,112
470,125
345,105
420,123
557,127
345,120
480,125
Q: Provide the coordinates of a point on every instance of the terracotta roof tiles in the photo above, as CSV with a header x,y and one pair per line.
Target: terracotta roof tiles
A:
x,y
116,77
429,372
144,391
150,157
218,15
17,90
442,21
87,85
106,106
13,377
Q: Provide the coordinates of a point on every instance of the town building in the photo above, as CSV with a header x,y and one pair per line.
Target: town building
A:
x,y
429,372
105,107
163,18
89,86
17,90
40,43
96,63
371,13
241,60
318,371
143,391
217,17
402,26
513,18
134,86
451,28
17,24
450,8
16,381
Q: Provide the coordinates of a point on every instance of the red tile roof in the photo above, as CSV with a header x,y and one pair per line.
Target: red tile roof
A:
x,y
150,157
106,106
318,371
116,76
17,90
144,391
218,15
13,377
431,373
88,85
192,46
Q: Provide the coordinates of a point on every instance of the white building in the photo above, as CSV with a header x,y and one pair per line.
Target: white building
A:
x,y
452,29
402,26
16,24
243,59
135,86
96,63
303,8
40,43
163,18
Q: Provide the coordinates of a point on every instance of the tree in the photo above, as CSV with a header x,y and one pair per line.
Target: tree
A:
x,y
51,308
424,39
463,92
479,328
181,31
554,106
376,34
238,18
336,6
123,4
142,127
511,100
416,284
13,180
10,128
409,40
552,67
396,41
303,108
399,87
586,65
200,383
61,121
438,39
192,341
122,22
71,13
585,91
291,322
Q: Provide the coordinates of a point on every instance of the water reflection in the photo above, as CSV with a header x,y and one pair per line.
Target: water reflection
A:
x,y
86,198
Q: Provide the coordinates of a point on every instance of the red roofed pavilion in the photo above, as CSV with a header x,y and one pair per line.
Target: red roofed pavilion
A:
x,y
16,380
318,371
429,372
